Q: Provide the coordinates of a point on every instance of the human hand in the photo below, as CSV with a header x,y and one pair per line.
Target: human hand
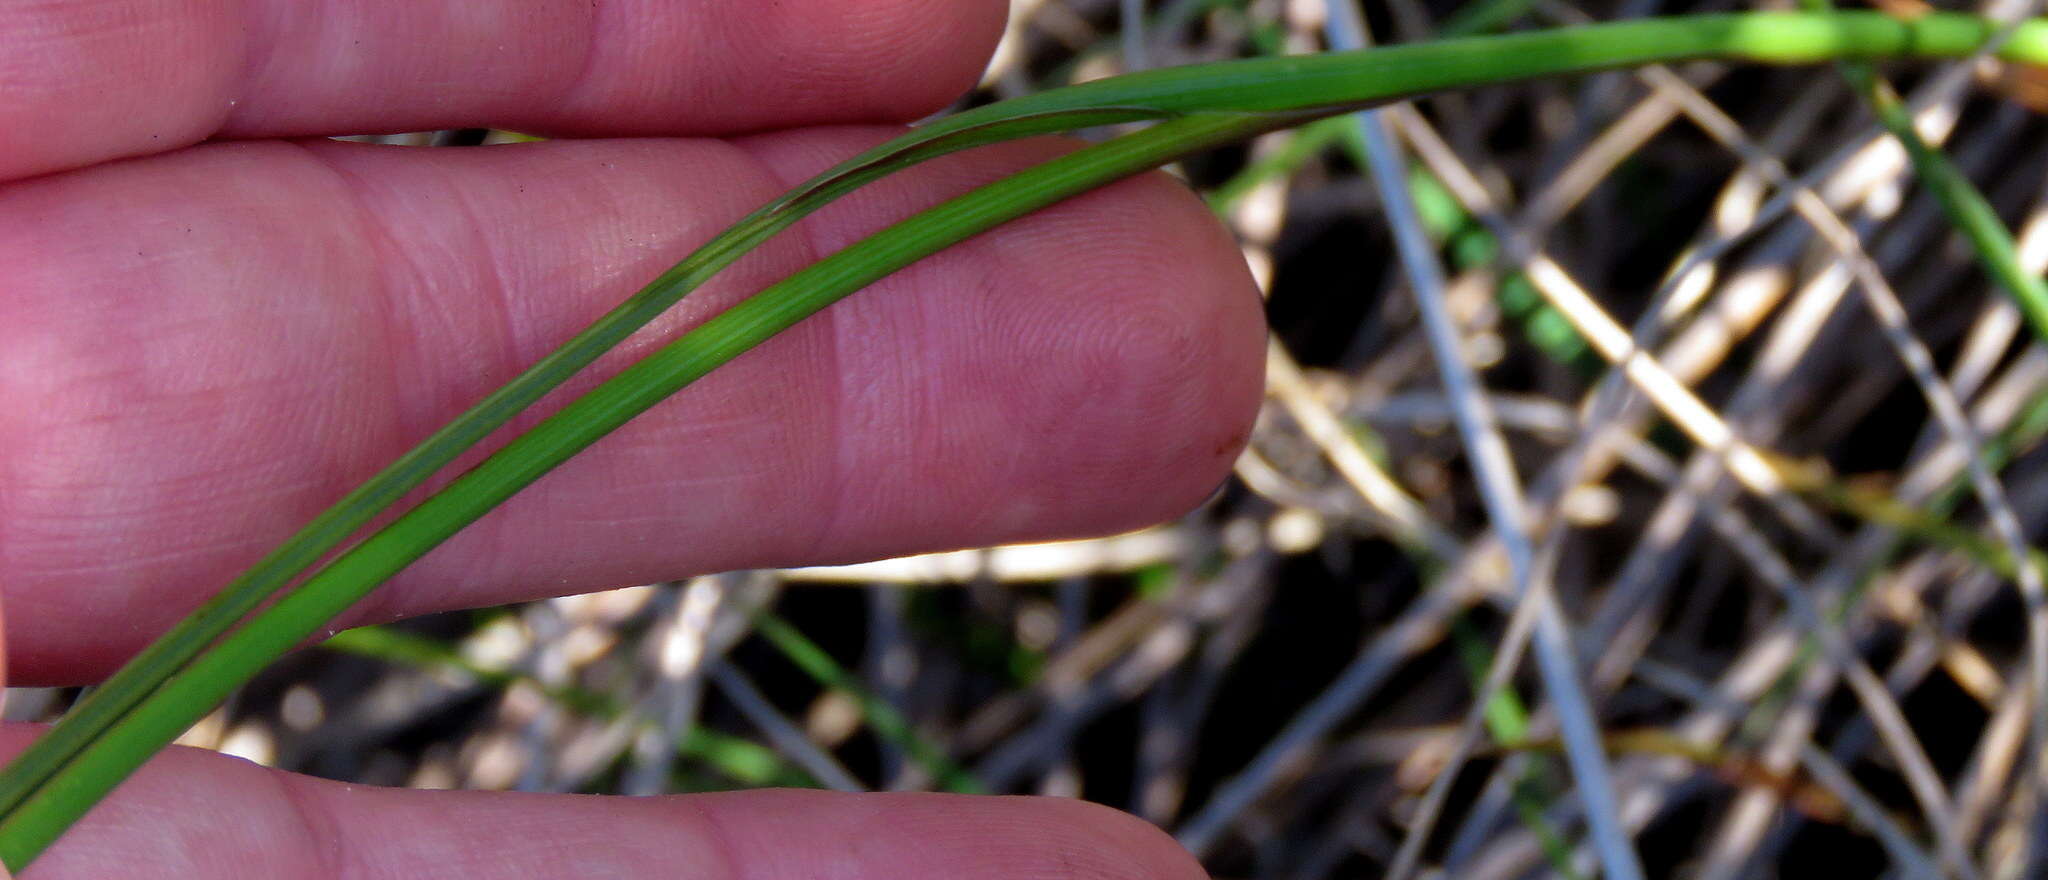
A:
x,y
205,345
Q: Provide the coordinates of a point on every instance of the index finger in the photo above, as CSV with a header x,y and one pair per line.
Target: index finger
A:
x,y
85,81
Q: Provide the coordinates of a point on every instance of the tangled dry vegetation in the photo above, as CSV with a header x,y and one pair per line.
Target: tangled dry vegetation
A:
x,y
1802,633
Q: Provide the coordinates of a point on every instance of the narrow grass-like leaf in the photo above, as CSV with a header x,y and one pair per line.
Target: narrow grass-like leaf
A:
x,y
1300,147
144,672
1972,215
105,760
1507,721
881,717
1967,209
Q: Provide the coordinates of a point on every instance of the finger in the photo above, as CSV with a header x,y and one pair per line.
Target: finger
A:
x,y
4,873
3,683
90,80
259,327
200,815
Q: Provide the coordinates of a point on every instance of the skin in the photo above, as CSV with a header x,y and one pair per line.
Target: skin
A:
x,y
216,322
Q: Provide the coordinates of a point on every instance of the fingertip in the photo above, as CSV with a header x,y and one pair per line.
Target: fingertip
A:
x,y
1147,851
1153,354
1105,356
909,58
925,836
69,67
